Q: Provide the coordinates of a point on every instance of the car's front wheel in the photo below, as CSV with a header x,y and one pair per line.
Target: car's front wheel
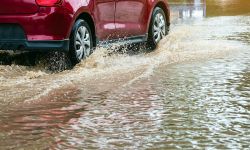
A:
x,y
158,28
81,41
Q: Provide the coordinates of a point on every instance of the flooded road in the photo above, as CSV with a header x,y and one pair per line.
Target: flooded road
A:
x,y
192,92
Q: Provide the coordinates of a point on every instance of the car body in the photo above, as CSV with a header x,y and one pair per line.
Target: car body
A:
x,y
42,25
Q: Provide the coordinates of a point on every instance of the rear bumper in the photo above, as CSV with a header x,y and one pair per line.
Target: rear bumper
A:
x,y
13,37
43,46
46,30
49,23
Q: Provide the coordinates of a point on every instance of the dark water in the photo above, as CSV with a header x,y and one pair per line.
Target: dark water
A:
x,y
193,92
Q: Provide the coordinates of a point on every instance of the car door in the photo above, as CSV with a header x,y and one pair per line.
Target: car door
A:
x,y
105,19
130,17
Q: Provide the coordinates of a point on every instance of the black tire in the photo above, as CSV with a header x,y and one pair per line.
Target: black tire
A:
x,y
151,43
73,37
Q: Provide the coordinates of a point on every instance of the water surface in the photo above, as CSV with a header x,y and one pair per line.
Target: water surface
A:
x,y
193,92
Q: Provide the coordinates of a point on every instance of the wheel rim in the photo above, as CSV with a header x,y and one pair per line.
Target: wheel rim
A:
x,y
159,27
82,43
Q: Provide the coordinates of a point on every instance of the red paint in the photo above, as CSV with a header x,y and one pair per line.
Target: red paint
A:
x,y
53,19
131,17
49,2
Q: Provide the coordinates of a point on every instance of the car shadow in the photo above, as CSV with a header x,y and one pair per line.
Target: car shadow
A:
x,y
18,58
51,61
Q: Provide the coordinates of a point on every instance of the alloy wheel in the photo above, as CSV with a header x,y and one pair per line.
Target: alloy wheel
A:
x,y
82,42
159,27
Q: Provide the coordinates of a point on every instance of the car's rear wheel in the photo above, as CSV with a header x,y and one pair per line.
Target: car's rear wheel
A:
x,y
158,28
81,41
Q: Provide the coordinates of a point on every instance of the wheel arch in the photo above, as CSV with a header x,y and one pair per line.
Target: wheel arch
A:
x,y
165,7
88,18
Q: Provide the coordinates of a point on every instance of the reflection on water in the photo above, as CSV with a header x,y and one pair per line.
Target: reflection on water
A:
x,y
218,106
208,8
227,7
196,9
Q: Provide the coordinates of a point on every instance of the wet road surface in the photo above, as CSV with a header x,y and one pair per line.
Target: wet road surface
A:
x,y
193,92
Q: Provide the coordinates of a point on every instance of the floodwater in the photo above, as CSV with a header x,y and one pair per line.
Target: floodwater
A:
x,y
192,92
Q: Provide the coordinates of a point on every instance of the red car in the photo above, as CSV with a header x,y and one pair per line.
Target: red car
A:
x,y
77,26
